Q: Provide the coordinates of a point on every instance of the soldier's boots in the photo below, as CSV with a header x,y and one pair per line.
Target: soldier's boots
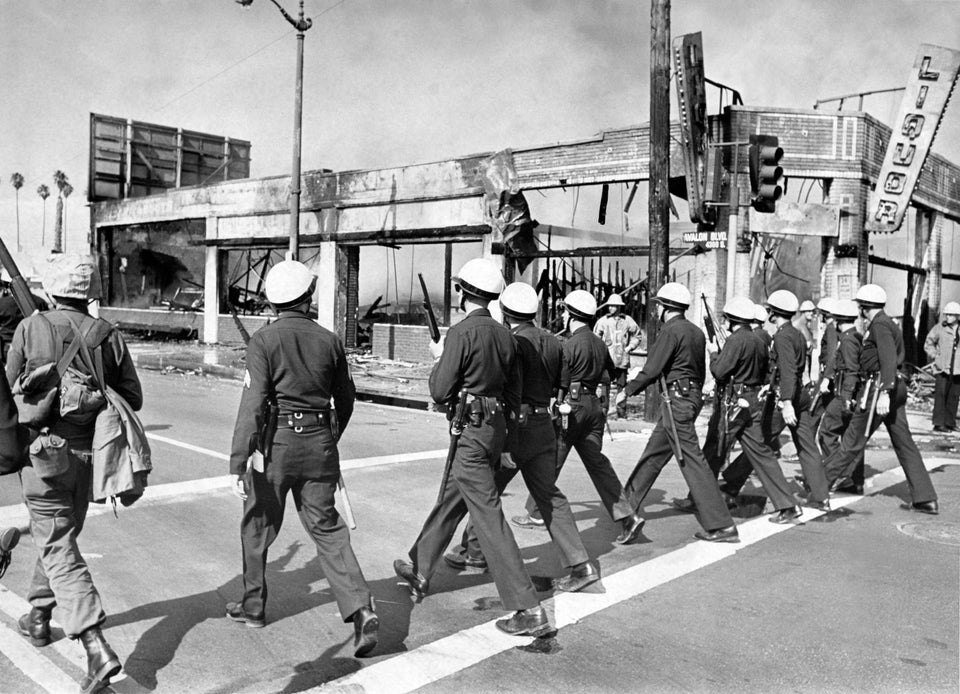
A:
x,y
102,662
35,625
366,624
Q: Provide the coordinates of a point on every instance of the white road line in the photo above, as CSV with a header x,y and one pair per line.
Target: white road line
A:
x,y
447,656
189,446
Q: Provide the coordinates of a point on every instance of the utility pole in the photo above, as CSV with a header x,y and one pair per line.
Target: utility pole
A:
x,y
658,203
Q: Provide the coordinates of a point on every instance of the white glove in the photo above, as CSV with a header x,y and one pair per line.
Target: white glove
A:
x,y
436,348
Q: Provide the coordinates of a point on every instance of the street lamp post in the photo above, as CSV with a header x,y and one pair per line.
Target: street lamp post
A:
x,y
301,24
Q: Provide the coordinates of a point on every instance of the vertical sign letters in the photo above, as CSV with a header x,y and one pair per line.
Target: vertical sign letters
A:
x,y
692,103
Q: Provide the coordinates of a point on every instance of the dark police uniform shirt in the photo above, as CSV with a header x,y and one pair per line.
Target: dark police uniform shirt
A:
x,y
679,352
480,357
789,356
743,359
587,359
542,365
299,363
883,350
828,350
765,336
848,362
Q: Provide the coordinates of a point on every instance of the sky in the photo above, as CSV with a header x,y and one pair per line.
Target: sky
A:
x,y
390,82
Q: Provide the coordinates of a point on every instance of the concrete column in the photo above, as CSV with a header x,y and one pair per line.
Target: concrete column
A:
x,y
211,286
850,261
327,283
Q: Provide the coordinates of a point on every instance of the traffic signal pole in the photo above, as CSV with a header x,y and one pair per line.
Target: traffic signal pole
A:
x,y
733,226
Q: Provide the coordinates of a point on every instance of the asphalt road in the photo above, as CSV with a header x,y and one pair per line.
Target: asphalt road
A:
x,y
862,599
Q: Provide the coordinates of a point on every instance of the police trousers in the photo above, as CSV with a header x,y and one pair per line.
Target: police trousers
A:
x,y
536,459
58,508
843,460
711,510
586,424
471,488
804,436
836,418
314,499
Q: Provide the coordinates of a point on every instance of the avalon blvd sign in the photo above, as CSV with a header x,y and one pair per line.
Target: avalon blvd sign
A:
x,y
928,90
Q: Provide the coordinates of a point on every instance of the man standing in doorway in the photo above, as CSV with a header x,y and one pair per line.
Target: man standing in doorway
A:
x,y
621,335
941,346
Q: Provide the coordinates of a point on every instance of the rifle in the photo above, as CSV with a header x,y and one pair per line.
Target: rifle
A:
x,y
716,334
456,428
872,391
428,307
672,431
18,285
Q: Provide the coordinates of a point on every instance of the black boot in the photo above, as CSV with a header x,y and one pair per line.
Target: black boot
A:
x,y
102,662
365,627
35,625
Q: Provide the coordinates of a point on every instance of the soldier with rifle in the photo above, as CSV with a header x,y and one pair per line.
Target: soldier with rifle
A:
x,y
477,368
583,411
787,405
297,384
883,401
532,443
677,361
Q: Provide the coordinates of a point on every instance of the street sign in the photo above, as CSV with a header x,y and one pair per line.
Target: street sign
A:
x,y
692,107
928,89
709,239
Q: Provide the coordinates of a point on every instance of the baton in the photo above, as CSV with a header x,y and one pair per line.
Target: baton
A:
x,y
672,431
347,508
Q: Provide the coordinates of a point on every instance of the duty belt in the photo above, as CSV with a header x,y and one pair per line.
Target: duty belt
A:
x,y
528,410
683,384
740,388
298,419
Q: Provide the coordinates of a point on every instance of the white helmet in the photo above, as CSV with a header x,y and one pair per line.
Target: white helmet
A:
x,y
845,309
807,305
739,308
519,300
481,278
674,295
581,304
871,296
615,300
72,276
825,305
783,302
288,283
951,309
759,314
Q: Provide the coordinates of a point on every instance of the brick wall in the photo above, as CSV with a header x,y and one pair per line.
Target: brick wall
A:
x,y
402,342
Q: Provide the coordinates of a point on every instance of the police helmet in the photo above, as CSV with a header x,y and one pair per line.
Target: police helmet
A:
x,y
825,305
519,301
740,309
581,305
807,305
871,296
288,283
615,300
783,302
759,314
72,276
845,309
674,295
951,309
480,278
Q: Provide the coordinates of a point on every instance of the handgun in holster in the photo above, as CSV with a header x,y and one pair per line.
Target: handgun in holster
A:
x,y
268,427
603,392
475,412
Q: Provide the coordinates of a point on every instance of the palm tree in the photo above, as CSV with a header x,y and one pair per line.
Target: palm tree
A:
x,y
67,189
17,180
60,179
44,192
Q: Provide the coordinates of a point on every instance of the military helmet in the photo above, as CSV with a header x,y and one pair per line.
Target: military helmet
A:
x,y
581,305
845,309
480,278
739,308
783,302
72,276
759,314
871,296
807,305
674,295
519,300
952,309
615,300
288,283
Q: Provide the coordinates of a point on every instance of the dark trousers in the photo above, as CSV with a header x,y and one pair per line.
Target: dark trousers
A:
x,y
753,428
946,397
711,510
804,436
536,460
58,508
712,453
835,420
314,499
618,383
585,434
471,488
843,460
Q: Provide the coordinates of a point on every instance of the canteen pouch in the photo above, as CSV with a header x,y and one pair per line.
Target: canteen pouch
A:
x,y
49,456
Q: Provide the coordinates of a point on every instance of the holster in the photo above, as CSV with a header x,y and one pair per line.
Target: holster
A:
x,y
575,392
268,427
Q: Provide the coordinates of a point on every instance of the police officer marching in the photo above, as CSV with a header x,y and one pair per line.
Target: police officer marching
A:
x,y
477,370
532,442
759,323
678,361
589,364
883,400
788,408
297,399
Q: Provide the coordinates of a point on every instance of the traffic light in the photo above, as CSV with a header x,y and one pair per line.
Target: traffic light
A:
x,y
765,172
